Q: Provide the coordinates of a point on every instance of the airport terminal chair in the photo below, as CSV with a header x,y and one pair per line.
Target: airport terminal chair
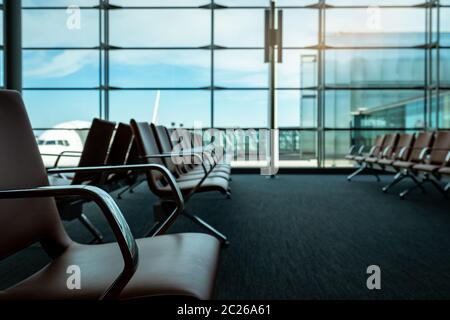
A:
x,y
417,154
374,152
430,166
387,153
186,172
94,153
149,153
401,153
167,265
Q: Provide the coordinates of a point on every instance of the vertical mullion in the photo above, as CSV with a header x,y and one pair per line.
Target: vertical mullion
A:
x,y
438,63
106,54
212,92
320,86
100,71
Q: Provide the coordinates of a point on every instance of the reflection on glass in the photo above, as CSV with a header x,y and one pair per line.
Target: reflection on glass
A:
x,y
374,109
375,27
297,145
298,70
376,68
297,108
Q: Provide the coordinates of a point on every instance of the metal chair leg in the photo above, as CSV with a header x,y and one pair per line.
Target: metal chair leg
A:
x,y
398,177
439,187
129,188
418,184
447,187
354,174
206,226
87,223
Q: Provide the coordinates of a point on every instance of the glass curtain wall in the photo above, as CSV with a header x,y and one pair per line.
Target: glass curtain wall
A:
x,y
351,69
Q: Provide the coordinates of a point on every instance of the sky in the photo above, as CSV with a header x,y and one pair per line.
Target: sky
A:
x,y
191,68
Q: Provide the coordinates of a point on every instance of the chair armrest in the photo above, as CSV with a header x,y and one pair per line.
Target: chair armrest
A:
x,y
361,150
423,154
402,152
67,153
112,213
181,154
178,197
447,158
352,150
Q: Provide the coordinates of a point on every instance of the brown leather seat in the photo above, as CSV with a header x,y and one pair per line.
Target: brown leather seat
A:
x,y
445,171
401,152
438,154
165,146
169,265
147,145
423,141
386,150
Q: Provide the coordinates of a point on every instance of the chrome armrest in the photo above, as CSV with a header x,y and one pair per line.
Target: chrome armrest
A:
x,y
112,213
447,158
73,154
423,154
361,150
352,150
401,154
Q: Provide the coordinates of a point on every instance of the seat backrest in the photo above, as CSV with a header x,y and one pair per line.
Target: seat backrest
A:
x,y
24,221
95,150
440,148
164,146
390,142
423,140
405,142
378,145
120,145
147,145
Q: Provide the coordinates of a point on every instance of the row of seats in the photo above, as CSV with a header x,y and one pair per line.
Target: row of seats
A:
x,y
157,265
140,143
423,158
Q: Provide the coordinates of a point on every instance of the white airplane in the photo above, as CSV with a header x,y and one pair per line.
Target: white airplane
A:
x,y
64,141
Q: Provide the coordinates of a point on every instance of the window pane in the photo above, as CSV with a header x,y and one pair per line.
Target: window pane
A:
x,y
375,27
239,28
296,2
374,2
376,68
160,28
300,27
159,3
59,3
240,68
298,148
241,109
160,68
444,110
243,3
297,108
49,108
61,68
444,67
176,108
445,26
2,74
52,28
298,70
374,109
